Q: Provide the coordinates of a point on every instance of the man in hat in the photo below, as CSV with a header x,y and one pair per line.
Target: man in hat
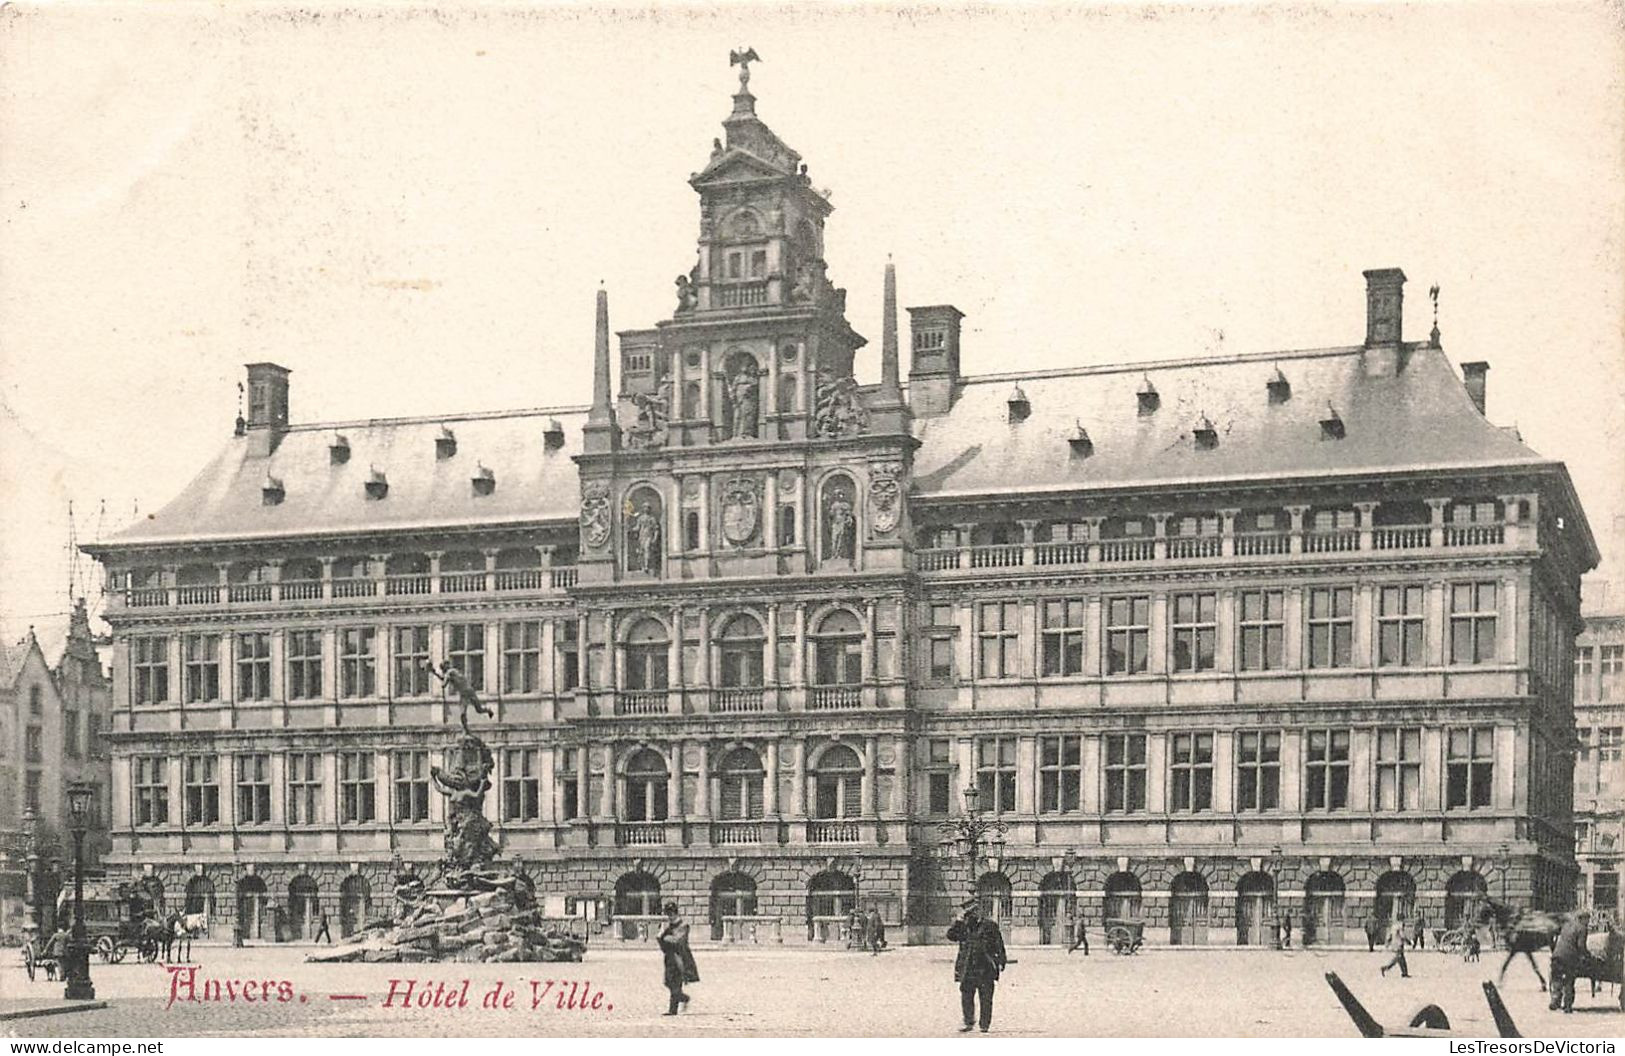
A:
x,y
976,969
1568,956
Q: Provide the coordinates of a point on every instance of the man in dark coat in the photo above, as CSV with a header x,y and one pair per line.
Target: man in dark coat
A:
x,y
678,959
1568,956
976,969
874,931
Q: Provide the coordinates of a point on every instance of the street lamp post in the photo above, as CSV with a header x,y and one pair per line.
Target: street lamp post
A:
x,y
966,834
79,987
1506,864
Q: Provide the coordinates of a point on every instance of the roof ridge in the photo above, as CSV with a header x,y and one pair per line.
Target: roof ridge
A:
x,y
434,419
1165,364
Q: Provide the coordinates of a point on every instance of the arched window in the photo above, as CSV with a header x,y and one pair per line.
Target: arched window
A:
x,y
837,784
1462,897
355,903
740,650
637,895
838,650
1255,910
1396,893
1323,909
200,895
645,531
993,894
831,894
304,908
740,777
1122,896
838,516
732,895
251,907
1187,910
647,650
1057,908
646,786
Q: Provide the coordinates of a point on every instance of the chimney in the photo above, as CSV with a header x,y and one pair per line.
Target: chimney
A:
x,y
1384,318
1473,375
933,370
267,417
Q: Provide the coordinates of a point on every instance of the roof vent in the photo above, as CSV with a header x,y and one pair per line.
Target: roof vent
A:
x,y
1207,437
485,481
1020,408
1279,388
272,492
554,437
1331,426
338,452
1082,446
445,445
1149,400
377,484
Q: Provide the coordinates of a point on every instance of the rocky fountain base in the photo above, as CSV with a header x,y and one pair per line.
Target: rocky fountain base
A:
x,y
501,924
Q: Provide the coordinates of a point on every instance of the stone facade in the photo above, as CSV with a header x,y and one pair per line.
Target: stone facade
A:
x,y
1599,767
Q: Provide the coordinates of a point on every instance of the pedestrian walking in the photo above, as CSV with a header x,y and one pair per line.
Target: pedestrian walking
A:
x,y
1372,933
1082,938
977,967
1567,958
677,958
324,931
1396,943
1286,931
1419,931
874,931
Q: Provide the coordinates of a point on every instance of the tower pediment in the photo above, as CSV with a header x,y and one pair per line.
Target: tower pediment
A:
x,y
734,166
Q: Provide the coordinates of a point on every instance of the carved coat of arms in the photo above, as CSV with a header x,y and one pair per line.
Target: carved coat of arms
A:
x,y
741,510
885,497
595,514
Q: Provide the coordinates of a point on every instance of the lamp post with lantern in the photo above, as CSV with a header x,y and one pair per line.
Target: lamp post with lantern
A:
x,y
79,988
963,836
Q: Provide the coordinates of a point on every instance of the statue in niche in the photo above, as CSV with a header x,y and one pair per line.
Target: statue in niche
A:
x,y
743,388
643,537
837,410
841,521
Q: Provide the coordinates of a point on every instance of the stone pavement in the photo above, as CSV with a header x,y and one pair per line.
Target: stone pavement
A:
x,y
794,992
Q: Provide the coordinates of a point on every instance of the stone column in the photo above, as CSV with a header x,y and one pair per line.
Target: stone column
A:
x,y
770,778
606,805
902,778
1159,542
871,761
1029,530
674,785
583,782
1295,543
1227,529
1436,522
868,663
1366,512
702,783
798,790
966,534
798,663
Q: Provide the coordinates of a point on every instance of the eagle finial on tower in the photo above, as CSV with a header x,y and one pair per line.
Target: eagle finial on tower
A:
x,y
743,57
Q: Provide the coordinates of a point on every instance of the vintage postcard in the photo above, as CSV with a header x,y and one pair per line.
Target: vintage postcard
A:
x,y
719,520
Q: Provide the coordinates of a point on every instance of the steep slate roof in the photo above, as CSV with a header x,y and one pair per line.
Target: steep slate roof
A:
x,y
533,482
1420,419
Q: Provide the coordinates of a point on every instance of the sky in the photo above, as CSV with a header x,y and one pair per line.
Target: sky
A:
x,y
411,207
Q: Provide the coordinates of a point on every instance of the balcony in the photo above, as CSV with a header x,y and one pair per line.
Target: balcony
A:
x,y
300,589
642,833
1331,540
834,698
355,588
197,595
1401,537
1117,550
834,832
999,555
462,582
740,295
242,592
523,579
1186,547
736,833
734,701
415,585
641,702
1262,544
408,585
1060,554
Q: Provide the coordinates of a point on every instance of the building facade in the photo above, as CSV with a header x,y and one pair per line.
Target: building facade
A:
x,y
1599,718
1215,638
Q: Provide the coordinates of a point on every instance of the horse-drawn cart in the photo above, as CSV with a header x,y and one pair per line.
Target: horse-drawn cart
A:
x,y
119,919
1125,936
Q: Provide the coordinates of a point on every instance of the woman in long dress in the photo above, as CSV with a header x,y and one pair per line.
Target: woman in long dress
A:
x,y
677,958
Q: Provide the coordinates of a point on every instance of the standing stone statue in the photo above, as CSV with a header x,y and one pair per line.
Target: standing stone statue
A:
x,y
643,538
464,782
743,387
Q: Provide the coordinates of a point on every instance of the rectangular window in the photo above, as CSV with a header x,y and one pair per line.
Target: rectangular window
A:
x,y
758,263
412,678
357,792
939,645
358,663
1258,770
1470,767
151,789
1399,768
996,774
1584,657
1326,775
202,667
151,663
34,744
1400,628
521,785
254,666
521,656
93,735
1611,665
1191,770
939,778
1000,634
1610,749
254,789
411,786
1060,774
465,650
1128,635
568,633
1063,637
569,787
304,788
1195,631
33,784
1125,772
70,734
1331,627
1263,630
304,664
1472,623
202,789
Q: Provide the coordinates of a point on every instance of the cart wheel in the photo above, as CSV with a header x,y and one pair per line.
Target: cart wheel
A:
x,y
28,959
1120,940
108,950
149,950
120,951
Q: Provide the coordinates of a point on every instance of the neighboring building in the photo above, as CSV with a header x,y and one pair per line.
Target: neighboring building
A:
x,y
1599,719
1214,636
51,721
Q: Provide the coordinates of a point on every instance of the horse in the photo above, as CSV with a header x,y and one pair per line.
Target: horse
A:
x,y
1523,930
182,929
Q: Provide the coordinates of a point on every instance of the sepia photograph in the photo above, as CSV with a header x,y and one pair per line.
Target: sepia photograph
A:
x,y
746,520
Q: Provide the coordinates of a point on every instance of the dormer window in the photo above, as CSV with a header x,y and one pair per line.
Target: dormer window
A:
x,y
554,437
1082,446
485,481
377,484
1280,389
1207,437
445,445
1148,399
271,491
1331,426
338,452
1020,409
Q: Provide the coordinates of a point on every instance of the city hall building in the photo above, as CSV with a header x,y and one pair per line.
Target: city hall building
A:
x,y
1215,639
